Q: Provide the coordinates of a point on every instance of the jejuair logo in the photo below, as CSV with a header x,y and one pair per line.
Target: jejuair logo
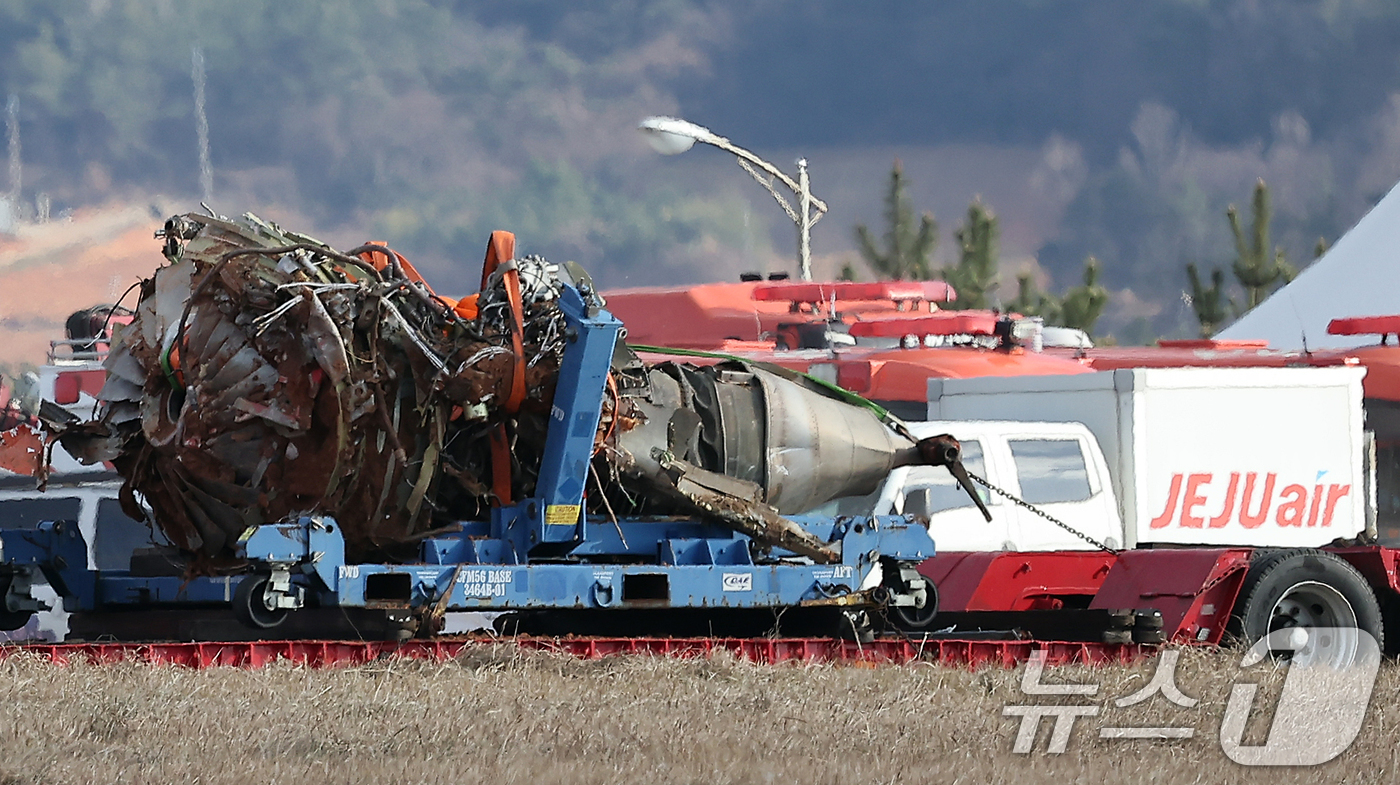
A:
x,y
1194,501
1319,712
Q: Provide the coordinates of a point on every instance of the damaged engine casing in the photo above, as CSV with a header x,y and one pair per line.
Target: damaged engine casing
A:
x,y
797,448
265,376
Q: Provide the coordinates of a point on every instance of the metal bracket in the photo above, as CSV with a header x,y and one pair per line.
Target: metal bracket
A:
x,y
285,594
20,597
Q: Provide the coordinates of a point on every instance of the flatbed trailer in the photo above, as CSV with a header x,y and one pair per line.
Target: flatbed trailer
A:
x,y
545,558
798,651
1184,596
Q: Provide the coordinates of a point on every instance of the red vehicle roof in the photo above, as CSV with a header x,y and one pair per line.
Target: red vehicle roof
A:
x,y
903,374
704,316
744,318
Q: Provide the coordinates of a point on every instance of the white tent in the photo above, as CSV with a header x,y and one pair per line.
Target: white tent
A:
x,y
1359,276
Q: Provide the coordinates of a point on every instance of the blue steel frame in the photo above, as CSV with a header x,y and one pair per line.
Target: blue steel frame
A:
x,y
689,565
544,552
540,553
552,521
57,551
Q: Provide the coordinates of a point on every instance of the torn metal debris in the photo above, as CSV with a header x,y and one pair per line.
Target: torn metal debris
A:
x,y
266,375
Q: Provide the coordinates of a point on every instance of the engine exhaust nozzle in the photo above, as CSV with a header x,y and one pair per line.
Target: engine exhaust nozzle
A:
x,y
941,450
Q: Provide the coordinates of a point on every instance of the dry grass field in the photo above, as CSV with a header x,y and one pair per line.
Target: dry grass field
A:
x,y
500,715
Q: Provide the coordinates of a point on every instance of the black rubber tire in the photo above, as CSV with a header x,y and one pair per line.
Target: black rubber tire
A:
x,y
11,620
910,619
249,607
1274,573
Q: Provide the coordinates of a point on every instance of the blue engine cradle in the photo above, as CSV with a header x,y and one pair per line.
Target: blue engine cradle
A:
x,y
545,553
56,553
541,553
672,564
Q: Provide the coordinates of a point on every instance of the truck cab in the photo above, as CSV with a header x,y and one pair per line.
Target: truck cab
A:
x,y
1058,467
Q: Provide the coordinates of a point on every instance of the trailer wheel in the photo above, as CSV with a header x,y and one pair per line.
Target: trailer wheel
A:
x,y
10,620
1305,588
900,581
254,605
854,625
917,618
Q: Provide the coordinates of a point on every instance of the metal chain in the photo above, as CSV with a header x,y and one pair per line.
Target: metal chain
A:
x,y
1047,516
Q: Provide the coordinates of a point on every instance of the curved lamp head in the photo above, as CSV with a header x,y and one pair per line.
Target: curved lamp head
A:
x,y
672,135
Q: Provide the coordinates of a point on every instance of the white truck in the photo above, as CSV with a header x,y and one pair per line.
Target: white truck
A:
x,y
1219,497
1185,456
1057,466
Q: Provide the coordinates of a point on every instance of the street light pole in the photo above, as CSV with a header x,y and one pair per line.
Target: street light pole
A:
x,y
804,222
671,135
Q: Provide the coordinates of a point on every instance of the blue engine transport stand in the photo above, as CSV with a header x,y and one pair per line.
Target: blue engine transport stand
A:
x,y
541,554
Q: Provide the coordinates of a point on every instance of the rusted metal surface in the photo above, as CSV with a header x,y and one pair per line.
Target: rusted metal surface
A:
x,y
264,375
944,450
22,449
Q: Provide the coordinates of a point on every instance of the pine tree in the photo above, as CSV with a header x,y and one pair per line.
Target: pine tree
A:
x,y
1210,305
1259,268
1030,301
1320,248
907,247
976,271
1083,305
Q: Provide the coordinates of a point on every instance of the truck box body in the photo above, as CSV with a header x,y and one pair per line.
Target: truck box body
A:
x,y
1217,456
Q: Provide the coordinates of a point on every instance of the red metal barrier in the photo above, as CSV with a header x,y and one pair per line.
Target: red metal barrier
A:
x,y
319,654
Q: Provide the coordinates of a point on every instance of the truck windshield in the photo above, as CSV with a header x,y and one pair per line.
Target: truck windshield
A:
x,y
932,489
1050,470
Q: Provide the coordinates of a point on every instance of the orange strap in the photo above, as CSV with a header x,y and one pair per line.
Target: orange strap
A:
x,y
500,250
379,260
466,307
500,465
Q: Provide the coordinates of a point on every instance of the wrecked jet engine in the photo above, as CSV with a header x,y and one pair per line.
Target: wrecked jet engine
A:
x,y
746,443
265,375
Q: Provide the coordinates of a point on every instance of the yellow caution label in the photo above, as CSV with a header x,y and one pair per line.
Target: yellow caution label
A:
x,y
562,514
